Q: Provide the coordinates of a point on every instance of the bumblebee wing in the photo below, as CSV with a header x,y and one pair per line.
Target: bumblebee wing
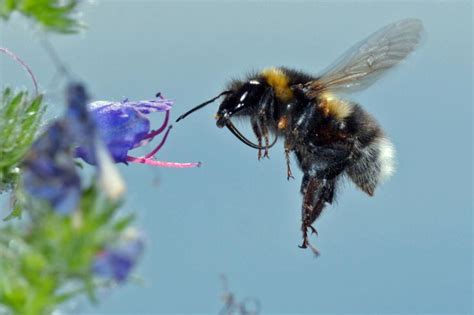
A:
x,y
368,60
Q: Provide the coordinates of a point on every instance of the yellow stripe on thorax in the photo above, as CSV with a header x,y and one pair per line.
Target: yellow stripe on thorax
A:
x,y
279,81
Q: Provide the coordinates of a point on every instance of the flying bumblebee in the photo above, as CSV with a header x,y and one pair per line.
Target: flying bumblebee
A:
x,y
329,135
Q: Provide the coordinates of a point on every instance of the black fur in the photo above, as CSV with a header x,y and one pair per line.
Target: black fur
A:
x,y
325,147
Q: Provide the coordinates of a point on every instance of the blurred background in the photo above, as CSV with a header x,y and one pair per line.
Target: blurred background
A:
x,y
406,250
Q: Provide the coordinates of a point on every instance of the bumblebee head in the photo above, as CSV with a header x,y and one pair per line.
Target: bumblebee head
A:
x,y
241,100
246,98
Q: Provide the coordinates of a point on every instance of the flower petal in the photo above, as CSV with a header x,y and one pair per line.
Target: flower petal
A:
x,y
117,262
49,170
147,107
120,127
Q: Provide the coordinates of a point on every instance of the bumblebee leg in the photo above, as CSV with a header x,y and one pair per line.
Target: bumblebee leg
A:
x,y
304,184
317,192
266,137
288,148
265,109
312,185
258,133
289,174
313,230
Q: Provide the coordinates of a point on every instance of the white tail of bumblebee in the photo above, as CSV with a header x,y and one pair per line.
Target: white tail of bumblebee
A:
x,y
386,158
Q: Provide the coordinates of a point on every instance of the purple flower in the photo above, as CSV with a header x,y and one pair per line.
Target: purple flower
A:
x,y
85,134
117,262
49,170
80,123
124,126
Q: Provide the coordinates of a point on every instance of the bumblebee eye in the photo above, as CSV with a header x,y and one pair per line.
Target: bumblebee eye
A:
x,y
247,97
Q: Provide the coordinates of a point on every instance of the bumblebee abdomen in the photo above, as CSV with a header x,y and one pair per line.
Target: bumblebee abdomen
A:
x,y
373,153
333,107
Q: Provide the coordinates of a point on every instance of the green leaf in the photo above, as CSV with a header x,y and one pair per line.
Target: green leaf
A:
x,y
123,223
49,260
6,7
53,15
19,123
15,213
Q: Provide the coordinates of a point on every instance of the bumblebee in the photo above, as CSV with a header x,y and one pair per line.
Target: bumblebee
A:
x,y
330,136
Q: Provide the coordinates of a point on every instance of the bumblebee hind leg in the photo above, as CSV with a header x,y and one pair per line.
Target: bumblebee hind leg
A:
x,y
317,192
323,166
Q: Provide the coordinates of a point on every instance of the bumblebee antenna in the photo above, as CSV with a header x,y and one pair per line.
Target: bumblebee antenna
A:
x,y
242,138
202,105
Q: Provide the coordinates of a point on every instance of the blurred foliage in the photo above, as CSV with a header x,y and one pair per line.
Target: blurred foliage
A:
x,y
53,15
48,258
48,261
19,121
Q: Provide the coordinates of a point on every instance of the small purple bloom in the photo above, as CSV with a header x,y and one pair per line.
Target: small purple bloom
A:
x,y
49,170
80,123
124,126
117,262
85,135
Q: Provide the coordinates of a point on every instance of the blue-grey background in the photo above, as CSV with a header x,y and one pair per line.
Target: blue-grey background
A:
x,y
406,250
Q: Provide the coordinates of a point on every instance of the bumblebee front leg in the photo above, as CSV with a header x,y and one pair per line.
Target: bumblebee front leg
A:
x,y
288,148
258,134
265,109
265,132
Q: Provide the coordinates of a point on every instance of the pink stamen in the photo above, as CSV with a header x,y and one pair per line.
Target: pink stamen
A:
x,y
152,162
148,159
160,145
156,132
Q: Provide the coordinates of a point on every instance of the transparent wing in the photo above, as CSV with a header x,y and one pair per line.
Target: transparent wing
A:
x,y
364,63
